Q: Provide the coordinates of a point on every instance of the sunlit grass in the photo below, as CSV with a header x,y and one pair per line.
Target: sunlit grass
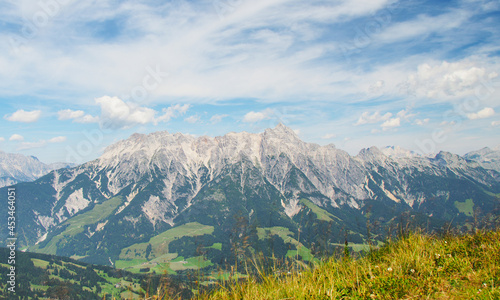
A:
x,y
416,267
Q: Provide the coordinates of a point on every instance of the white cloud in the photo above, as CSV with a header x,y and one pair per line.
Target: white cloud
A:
x,y
77,116
495,123
420,122
376,117
69,114
117,114
57,139
329,136
192,119
24,116
2,139
254,117
87,119
172,112
217,118
447,80
391,123
16,137
405,114
482,114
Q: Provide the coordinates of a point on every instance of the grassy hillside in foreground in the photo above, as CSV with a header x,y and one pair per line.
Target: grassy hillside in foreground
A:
x,y
416,267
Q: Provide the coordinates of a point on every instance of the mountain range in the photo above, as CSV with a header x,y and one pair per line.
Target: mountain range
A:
x,y
16,168
156,200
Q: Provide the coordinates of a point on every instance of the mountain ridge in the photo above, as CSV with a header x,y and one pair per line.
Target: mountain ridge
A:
x,y
149,184
16,168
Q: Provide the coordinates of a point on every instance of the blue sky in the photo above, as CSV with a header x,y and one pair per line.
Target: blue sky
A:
x,y
76,76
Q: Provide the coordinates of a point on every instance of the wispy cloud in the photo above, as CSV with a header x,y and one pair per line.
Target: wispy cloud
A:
x,y
329,136
367,118
192,119
172,112
423,25
41,143
217,118
77,116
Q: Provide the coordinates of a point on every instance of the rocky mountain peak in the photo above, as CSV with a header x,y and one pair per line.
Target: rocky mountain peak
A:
x,y
445,158
281,131
370,154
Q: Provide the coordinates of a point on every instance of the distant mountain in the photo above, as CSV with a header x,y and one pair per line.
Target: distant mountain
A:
x,y
16,168
161,199
486,158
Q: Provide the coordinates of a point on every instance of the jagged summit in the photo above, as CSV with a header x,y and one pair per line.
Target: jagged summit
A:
x,y
282,130
149,144
371,153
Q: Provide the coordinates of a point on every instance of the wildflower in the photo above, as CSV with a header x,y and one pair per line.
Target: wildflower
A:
x,y
412,271
485,285
372,296
449,255
437,256
445,242
376,267
389,269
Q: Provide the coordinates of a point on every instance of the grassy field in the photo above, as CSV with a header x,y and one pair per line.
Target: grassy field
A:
x,y
133,258
217,246
466,207
321,214
416,267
